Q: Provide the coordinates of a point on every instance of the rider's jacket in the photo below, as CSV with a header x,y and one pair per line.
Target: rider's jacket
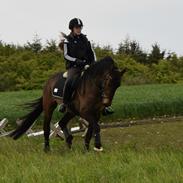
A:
x,y
78,47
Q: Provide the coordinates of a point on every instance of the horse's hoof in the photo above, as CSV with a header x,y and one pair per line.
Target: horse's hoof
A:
x,y
87,147
47,149
98,149
69,145
69,139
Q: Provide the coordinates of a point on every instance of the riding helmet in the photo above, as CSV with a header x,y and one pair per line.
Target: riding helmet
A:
x,y
75,22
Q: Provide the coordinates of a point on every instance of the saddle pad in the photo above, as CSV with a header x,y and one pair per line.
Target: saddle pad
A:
x,y
59,86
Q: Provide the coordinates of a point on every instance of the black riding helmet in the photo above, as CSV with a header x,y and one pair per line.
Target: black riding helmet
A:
x,y
75,22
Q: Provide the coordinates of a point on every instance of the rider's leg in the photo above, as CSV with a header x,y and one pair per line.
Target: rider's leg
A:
x,y
68,89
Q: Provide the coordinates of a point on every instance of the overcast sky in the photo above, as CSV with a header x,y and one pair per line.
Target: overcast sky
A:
x,y
105,21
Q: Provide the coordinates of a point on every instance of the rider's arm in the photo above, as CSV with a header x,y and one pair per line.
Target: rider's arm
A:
x,y
66,56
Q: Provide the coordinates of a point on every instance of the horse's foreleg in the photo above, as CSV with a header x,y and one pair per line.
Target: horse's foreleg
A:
x,y
98,146
93,128
88,135
63,125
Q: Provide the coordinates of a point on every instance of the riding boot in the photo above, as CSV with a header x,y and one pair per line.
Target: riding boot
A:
x,y
67,92
66,96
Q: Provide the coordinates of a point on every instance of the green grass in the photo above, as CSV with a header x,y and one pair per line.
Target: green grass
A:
x,y
142,101
145,153
139,154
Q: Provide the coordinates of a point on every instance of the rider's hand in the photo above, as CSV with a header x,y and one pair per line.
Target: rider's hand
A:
x,y
80,62
86,66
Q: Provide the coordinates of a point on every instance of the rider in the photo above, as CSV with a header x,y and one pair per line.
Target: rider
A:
x,y
78,53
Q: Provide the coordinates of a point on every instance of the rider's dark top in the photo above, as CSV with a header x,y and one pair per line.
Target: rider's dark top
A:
x,y
78,47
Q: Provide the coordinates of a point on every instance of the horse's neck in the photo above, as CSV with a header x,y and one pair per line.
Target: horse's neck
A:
x,y
93,85
99,80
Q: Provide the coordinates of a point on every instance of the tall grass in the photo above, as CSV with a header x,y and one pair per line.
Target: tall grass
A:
x,y
140,101
144,101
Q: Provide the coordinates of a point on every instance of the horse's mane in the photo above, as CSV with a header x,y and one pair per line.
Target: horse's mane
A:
x,y
98,68
96,71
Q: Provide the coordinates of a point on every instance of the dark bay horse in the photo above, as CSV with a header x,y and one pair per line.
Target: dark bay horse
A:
x,y
94,91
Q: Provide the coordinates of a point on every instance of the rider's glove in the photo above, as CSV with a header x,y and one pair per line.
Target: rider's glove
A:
x,y
86,66
80,62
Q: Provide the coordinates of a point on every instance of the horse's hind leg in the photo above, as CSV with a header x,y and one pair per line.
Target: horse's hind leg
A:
x,y
63,125
48,111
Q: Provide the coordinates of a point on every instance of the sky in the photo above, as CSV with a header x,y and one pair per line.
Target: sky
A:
x,y
106,22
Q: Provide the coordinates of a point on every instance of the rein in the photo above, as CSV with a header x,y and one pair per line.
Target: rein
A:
x,y
102,87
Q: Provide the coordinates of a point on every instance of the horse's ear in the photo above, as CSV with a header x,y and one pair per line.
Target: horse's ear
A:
x,y
123,71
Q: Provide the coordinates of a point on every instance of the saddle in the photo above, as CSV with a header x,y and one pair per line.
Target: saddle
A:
x,y
59,85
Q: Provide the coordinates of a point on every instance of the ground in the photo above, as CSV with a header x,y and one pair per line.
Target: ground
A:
x,y
136,154
142,153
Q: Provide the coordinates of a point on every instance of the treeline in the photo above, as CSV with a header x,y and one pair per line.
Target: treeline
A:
x,y
29,66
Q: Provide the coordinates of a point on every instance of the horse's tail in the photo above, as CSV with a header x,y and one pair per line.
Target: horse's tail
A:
x,y
28,120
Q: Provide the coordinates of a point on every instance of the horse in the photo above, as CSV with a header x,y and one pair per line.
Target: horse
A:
x,y
95,90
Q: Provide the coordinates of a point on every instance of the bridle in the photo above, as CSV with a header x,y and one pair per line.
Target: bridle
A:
x,y
102,87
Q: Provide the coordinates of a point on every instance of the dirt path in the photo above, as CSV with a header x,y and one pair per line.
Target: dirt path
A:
x,y
128,123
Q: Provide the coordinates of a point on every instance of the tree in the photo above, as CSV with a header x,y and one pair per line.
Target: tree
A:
x,y
51,46
133,49
35,46
156,55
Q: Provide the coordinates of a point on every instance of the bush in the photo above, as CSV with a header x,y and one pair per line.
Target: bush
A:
x,y
162,73
29,66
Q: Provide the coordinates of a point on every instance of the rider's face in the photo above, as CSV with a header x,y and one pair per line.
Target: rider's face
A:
x,y
77,30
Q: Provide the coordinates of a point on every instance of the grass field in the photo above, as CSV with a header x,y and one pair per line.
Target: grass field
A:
x,y
138,154
141,101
